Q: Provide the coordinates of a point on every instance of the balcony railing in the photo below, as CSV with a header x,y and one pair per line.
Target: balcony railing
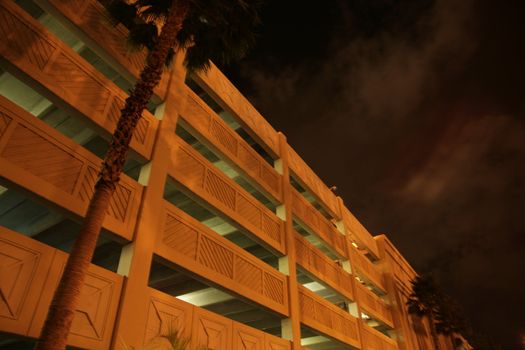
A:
x,y
356,231
373,305
220,88
40,159
327,318
323,228
200,176
375,340
314,183
317,263
203,119
90,21
366,269
196,248
41,57
204,328
30,272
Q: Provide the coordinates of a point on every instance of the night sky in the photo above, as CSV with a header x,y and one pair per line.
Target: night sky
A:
x,y
415,110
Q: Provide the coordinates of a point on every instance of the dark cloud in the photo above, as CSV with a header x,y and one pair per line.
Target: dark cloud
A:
x,y
416,110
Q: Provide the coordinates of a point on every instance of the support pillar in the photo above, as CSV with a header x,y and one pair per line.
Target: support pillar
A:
x,y
136,258
291,327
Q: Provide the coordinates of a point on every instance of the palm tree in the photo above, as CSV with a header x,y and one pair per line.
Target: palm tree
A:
x,y
449,319
424,301
219,30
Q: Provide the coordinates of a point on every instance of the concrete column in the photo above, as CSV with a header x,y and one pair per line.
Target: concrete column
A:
x,y
291,327
136,258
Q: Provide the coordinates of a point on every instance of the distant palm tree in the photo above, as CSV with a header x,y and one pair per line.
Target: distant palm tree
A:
x,y
219,30
424,301
449,319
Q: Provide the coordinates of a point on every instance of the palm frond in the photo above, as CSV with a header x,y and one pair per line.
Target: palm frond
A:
x,y
143,35
152,10
219,31
121,12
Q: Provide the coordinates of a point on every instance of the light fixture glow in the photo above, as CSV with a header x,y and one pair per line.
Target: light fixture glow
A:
x,y
314,286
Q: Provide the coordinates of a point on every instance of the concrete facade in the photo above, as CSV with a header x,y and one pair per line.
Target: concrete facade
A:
x,y
218,229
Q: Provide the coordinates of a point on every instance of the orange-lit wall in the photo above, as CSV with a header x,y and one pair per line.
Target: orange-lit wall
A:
x,y
119,307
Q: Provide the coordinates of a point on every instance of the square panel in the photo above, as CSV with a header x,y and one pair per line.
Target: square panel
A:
x,y
247,338
167,315
211,330
23,268
92,326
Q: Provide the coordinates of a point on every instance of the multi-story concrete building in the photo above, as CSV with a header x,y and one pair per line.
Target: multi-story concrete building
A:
x,y
218,229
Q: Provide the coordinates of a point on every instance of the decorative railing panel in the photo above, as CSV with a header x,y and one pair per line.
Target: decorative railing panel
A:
x,y
206,122
43,58
317,263
366,269
327,318
91,21
202,178
36,157
275,343
211,330
197,248
205,328
356,231
165,315
374,340
218,86
24,264
373,305
30,273
314,184
324,229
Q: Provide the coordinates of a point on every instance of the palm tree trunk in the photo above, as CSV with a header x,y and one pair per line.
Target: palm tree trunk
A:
x,y
65,300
